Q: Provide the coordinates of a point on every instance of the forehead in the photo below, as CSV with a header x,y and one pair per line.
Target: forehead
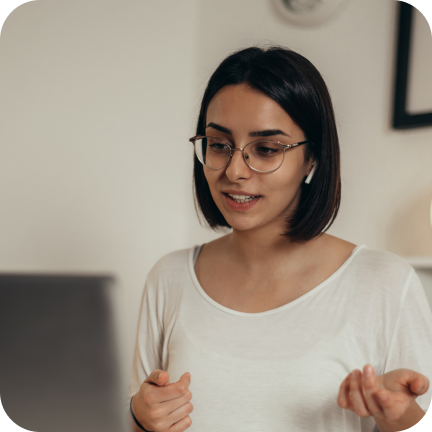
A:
x,y
239,106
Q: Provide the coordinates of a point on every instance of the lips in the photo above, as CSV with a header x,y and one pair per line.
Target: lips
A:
x,y
243,203
239,192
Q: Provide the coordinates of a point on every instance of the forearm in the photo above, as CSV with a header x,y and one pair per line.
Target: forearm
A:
x,y
411,417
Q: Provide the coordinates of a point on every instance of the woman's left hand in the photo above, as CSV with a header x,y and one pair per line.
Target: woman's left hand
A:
x,y
386,397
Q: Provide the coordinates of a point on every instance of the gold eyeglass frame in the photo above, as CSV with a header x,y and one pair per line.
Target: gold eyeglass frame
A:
x,y
233,149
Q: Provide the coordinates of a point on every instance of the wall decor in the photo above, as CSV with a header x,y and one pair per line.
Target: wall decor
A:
x,y
309,12
402,119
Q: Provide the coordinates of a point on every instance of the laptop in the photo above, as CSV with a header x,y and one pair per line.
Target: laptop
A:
x,y
60,354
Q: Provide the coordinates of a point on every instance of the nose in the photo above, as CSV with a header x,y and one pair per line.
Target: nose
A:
x,y
238,169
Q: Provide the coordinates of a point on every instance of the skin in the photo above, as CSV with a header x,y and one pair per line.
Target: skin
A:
x,y
243,110
255,269
389,398
163,407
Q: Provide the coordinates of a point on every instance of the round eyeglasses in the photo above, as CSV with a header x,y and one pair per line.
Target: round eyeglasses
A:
x,y
263,156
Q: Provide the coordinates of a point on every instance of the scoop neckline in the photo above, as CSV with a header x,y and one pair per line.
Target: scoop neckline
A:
x,y
271,311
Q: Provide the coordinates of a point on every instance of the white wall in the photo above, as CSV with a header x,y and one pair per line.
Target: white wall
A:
x,y
96,109
99,98
387,175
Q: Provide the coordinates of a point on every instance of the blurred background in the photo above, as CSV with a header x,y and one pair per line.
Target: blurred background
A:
x,y
98,101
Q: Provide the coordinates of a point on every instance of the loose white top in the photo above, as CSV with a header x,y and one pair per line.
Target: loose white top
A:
x,y
280,370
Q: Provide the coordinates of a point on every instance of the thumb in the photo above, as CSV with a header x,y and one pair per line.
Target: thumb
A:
x,y
419,385
158,377
162,378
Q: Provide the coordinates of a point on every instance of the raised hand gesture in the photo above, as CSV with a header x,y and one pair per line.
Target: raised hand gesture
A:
x,y
389,398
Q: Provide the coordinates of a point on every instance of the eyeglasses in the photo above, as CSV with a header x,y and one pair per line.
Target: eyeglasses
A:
x,y
262,156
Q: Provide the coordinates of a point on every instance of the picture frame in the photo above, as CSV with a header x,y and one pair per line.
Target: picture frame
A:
x,y
402,119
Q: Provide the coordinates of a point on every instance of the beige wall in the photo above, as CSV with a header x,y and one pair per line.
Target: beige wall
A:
x,y
387,174
99,98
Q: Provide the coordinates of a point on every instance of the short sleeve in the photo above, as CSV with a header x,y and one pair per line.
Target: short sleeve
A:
x,y
411,343
149,341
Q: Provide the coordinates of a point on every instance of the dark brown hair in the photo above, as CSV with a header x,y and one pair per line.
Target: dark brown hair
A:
x,y
296,85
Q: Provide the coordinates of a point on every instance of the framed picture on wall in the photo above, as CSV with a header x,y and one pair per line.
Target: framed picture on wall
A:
x,y
412,98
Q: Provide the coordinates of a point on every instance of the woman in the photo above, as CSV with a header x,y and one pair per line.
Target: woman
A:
x,y
277,326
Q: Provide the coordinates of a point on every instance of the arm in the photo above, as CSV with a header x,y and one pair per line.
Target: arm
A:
x,y
147,355
411,417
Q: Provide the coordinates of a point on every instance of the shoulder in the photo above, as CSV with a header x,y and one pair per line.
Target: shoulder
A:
x,y
383,263
171,267
376,283
364,263
167,278
380,273
163,290
173,261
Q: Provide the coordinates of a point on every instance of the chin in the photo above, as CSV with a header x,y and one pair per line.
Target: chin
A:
x,y
242,224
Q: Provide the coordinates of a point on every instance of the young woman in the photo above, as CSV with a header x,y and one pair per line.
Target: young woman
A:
x,y
277,326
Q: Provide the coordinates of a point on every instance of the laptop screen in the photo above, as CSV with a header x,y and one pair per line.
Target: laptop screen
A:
x,y
59,360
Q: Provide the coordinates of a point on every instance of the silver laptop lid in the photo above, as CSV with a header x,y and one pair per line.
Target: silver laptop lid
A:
x,y
59,359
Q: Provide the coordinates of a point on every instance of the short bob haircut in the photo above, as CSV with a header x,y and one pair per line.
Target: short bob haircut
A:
x,y
296,85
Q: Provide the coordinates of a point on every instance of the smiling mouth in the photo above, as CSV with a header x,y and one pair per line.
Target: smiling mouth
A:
x,y
240,199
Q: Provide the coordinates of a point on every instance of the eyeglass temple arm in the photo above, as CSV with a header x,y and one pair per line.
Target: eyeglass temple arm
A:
x,y
193,139
295,145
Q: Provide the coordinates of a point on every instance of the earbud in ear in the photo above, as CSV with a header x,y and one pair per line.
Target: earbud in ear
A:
x,y
309,177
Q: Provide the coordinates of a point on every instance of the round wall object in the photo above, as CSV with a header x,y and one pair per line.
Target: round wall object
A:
x,y
309,12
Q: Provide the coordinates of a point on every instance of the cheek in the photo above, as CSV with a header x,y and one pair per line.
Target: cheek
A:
x,y
286,184
283,190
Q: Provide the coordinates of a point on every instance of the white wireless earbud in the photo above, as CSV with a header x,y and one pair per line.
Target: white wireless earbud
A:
x,y
309,177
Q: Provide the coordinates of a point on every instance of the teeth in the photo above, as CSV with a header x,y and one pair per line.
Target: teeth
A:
x,y
242,198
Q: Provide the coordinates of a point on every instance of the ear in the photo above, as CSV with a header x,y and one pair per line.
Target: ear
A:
x,y
310,165
312,170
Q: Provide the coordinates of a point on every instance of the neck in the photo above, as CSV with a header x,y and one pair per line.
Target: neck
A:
x,y
264,244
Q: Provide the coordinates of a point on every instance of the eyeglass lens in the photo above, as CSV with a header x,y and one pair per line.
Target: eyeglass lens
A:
x,y
261,155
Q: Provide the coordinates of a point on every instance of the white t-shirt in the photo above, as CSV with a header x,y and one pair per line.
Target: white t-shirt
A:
x,y
280,370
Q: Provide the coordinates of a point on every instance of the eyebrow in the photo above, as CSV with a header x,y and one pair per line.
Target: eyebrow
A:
x,y
263,133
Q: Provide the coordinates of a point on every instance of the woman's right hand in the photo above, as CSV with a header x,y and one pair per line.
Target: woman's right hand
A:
x,y
163,407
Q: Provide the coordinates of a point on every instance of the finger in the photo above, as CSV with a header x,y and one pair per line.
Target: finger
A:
x,y
369,385
183,383
356,395
180,413
414,381
163,378
158,377
343,399
174,390
181,425
172,411
418,384
178,389
173,404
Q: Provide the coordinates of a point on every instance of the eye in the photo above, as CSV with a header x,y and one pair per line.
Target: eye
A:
x,y
218,146
267,149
